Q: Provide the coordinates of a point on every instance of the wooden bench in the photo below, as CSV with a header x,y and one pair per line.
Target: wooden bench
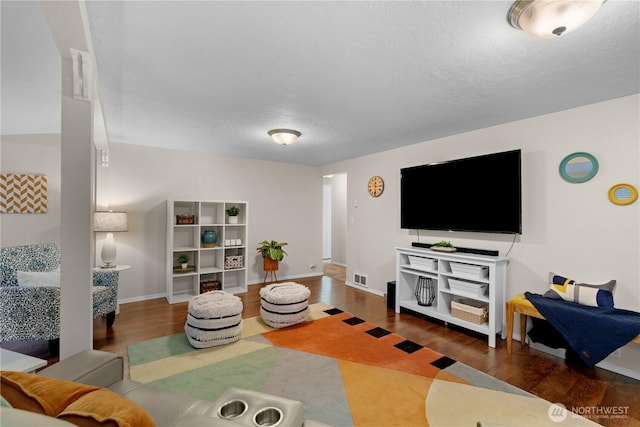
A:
x,y
520,304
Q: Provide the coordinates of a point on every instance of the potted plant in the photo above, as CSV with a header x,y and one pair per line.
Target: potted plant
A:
x,y
272,253
443,246
233,212
183,260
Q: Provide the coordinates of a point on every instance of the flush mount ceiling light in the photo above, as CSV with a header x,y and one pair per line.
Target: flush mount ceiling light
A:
x,y
284,136
551,18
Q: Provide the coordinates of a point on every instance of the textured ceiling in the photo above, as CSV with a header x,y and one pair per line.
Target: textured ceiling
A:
x,y
354,77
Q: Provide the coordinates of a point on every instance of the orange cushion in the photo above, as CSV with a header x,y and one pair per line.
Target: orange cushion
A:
x,y
81,404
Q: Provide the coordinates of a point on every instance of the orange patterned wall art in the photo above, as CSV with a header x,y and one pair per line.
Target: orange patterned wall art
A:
x,y
23,193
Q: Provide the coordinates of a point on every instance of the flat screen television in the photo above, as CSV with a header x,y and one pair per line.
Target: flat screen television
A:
x,y
479,194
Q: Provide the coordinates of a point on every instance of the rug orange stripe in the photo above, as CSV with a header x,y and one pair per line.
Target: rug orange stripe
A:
x,y
352,343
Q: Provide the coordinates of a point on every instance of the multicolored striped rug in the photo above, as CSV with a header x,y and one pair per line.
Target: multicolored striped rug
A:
x,y
347,372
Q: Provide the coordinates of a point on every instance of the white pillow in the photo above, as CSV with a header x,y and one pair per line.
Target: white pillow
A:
x,y
38,278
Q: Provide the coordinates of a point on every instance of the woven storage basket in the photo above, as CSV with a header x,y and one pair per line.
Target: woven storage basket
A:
x,y
210,285
470,310
185,219
233,261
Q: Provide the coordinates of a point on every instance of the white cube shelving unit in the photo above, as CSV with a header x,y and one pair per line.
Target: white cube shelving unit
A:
x,y
207,264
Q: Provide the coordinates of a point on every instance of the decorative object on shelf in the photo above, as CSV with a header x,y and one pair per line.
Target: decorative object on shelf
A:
x,y
284,136
209,238
233,261
109,222
183,260
623,194
23,193
578,167
443,246
375,186
210,285
233,213
425,291
547,19
272,253
185,219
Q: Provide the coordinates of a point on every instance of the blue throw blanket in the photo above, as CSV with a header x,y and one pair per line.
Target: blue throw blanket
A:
x,y
592,332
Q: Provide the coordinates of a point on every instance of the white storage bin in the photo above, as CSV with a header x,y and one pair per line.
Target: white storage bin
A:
x,y
423,263
472,271
467,287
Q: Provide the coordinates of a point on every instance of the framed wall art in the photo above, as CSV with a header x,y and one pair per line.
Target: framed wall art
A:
x,y
23,193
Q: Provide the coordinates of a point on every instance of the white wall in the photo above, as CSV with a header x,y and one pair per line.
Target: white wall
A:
x,y
285,204
38,155
570,229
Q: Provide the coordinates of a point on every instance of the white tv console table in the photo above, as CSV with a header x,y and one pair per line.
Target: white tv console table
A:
x,y
437,265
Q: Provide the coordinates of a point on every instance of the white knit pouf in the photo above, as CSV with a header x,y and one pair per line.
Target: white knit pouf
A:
x,y
284,304
214,318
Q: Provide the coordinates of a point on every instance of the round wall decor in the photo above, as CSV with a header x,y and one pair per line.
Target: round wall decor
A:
x,y
375,186
623,194
578,167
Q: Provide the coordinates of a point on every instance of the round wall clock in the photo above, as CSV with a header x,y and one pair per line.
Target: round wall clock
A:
x,y
375,186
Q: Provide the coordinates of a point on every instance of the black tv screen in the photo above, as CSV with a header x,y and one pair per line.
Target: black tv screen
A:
x,y
480,194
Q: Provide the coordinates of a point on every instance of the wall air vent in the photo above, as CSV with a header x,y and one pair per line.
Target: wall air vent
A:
x,y
360,279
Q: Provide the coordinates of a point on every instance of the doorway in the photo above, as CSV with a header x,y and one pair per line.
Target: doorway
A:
x,y
334,219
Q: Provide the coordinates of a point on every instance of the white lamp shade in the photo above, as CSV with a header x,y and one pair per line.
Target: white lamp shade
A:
x,y
110,221
551,18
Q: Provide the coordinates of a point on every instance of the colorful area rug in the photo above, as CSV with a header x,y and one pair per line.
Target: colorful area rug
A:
x,y
346,371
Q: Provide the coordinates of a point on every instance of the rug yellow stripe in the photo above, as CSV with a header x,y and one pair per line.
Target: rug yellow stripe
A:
x,y
316,311
169,366
255,326
472,404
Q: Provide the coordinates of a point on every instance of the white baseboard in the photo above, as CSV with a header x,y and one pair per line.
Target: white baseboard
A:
x,y
141,298
362,288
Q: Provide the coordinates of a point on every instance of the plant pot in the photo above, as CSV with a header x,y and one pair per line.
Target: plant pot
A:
x,y
184,266
269,264
233,220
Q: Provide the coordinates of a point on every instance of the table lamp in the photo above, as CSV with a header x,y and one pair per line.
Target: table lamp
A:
x,y
109,222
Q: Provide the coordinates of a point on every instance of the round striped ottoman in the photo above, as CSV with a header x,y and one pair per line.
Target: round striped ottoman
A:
x,y
284,304
214,318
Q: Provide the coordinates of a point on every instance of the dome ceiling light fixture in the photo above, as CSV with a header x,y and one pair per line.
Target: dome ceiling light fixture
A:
x,y
551,18
284,136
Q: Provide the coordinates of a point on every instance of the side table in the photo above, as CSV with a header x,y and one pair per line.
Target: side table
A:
x,y
118,267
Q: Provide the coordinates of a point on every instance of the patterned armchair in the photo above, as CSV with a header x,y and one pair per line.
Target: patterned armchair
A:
x,y
33,313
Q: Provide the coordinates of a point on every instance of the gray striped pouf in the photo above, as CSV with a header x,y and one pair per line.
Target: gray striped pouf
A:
x,y
215,318
284,304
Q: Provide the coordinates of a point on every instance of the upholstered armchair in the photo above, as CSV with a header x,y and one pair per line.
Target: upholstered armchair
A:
x,y
33,312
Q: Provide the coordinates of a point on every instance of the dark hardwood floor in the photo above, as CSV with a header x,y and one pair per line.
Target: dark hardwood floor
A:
x,y
544,375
